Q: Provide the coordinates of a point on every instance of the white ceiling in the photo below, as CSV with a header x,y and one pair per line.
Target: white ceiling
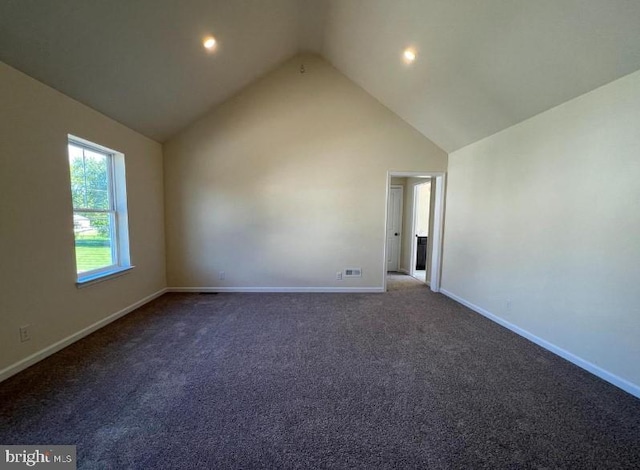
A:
x,y
482,65
141,62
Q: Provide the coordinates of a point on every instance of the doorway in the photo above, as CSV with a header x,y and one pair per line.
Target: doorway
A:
x,y
428,240
421,228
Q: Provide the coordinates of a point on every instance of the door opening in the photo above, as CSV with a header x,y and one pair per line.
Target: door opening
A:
x,y
421,228
415,244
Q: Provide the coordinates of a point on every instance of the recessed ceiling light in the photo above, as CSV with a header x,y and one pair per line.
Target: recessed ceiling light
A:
x,y
209,43
409,55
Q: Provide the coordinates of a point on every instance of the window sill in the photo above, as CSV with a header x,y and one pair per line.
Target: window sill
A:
x,y
100,277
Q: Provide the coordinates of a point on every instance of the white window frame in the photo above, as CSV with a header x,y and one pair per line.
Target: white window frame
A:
x,y
119,223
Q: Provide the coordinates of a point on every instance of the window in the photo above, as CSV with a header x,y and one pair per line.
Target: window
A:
x,y
100,222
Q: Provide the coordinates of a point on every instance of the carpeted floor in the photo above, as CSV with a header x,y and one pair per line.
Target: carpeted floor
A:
x,y
406,379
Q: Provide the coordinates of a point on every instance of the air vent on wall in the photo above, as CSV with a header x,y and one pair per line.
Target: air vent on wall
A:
x,y
353,272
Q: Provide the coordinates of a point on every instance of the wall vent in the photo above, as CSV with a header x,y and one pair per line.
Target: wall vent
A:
x,y
353,272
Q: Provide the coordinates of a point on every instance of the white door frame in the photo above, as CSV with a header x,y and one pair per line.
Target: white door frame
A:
x,y
439,179
412,258
414,239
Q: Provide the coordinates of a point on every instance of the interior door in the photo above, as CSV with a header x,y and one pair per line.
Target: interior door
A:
x,y
394,228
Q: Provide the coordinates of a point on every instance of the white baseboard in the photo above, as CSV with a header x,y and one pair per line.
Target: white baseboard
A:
x,y
338,290
404,271
613,379
55,347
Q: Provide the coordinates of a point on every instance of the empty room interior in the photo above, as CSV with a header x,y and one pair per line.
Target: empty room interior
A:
x,y
320,233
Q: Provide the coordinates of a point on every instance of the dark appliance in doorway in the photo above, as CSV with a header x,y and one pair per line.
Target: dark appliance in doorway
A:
x,y
421,255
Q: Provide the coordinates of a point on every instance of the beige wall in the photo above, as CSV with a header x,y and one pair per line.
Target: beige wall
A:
x,y
544,215
37,279
285,184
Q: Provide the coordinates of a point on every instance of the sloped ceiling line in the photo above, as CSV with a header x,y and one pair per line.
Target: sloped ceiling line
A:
x,y
481,66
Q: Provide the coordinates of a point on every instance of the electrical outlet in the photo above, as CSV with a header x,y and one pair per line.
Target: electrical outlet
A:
x,y
25,333
507,305
222,275
339,276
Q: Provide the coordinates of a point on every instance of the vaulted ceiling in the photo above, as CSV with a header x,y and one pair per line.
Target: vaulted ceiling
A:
x,y
480,67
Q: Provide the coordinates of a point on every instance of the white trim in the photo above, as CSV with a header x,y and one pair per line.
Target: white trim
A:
x,y
339,290
63,343
387,195
118,212
415,174
102,276
80,142
414,241
613,379
404,271
438,233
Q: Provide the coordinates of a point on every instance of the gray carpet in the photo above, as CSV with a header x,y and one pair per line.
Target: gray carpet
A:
x,y
406,379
